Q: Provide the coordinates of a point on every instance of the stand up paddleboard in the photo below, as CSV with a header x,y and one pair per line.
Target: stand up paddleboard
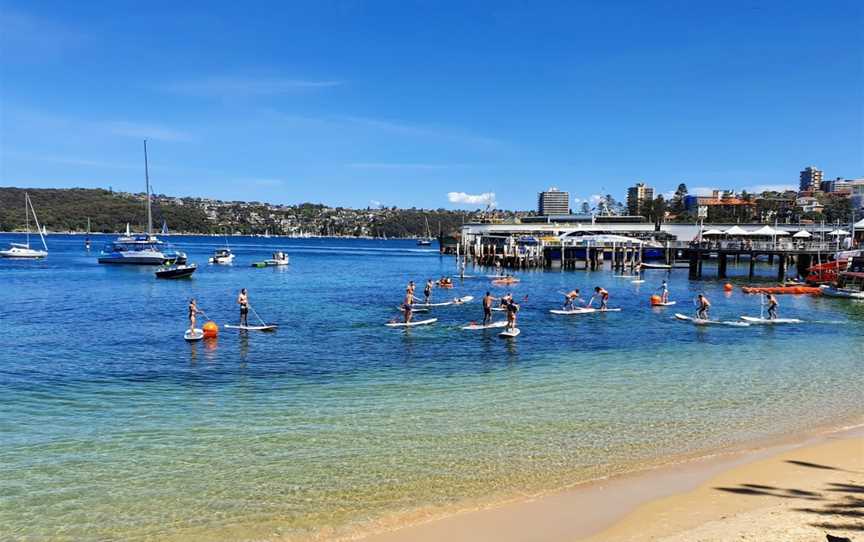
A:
x,y
700,322
667,304
477,327
414,308
263,327
637,281
412,324
194,334
457,301
510,333
571,312
754,320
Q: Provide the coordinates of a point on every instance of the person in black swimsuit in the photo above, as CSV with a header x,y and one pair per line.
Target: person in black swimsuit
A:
x,y
427,292
193,312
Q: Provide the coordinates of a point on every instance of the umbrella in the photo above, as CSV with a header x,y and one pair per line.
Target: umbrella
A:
x,y
839,232
859,225
736,230
803,234
712,232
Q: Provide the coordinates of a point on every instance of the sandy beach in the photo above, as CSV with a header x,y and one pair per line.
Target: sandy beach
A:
x,y
795,491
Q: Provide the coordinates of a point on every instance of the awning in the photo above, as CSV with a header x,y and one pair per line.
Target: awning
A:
x,y
839,233
859,225
736,230
712,232
803,234
764,231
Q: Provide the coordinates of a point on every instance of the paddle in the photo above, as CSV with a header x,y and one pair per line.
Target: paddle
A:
x,y
263,323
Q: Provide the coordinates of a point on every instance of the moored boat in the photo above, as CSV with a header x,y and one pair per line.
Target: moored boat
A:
x,y
23,251
176,271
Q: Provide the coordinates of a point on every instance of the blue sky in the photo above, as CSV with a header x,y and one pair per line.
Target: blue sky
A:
x,y
402,102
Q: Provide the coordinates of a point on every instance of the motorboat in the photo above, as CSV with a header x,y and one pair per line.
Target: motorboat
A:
x,y
222,256
23,251
279,258
176,271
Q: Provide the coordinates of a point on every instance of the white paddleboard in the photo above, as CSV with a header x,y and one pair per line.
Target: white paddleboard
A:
x,y
412,324
268,327
667,304
477,327
413,309
499,309
510,333
754,320
700,322
422,305
464,299
638,281
581,310
194,334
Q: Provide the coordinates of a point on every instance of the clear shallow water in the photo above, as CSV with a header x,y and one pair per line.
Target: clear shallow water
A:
x,y
113,427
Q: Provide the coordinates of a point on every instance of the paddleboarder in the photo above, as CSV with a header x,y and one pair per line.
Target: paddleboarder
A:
x,y
488,300
193,312
427,292
772,306
512,309
243,301
570,299
702,306
664,292
603,295
407,303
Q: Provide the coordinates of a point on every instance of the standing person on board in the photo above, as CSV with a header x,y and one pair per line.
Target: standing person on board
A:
x,y
664,292
702,306
427,292
512,309
603,295
411,286
488,300
243,301
407,303
771,300
193,312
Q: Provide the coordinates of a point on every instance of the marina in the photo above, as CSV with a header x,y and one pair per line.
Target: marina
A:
x,y
147,404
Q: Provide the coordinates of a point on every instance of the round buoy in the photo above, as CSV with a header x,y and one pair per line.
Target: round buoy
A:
x,y
656,299
210,329
728,287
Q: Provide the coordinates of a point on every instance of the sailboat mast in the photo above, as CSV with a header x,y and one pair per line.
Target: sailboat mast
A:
x,y
29,202
147,181
27,217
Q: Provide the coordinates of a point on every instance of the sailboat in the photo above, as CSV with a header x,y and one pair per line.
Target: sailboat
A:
x,y
427,241
22,251
141,249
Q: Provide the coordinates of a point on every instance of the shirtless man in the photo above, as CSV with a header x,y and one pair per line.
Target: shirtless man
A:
x,y
488,300
772,306
407,304
243,301
570,299
604,297
664,292
702,306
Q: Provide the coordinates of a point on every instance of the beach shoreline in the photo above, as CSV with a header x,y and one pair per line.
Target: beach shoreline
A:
x,y
698,498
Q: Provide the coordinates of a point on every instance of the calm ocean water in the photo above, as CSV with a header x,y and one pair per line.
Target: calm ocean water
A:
x,y
112,427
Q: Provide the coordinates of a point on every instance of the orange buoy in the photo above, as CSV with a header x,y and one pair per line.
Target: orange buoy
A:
x,y
656,299
728,287
210,329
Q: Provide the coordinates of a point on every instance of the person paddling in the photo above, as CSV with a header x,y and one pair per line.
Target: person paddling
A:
x,y
407,304
664,292
193,312
427,292
570,299
702,306
772,306
512,309
603,295
488,300
243,301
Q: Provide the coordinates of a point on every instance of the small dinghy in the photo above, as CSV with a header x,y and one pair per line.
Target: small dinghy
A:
x,y
176,271
510,333
412,324
194,334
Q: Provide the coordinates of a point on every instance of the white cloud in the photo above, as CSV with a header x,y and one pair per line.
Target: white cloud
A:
x,y
595,199
249,86
375,203
461,198
146,131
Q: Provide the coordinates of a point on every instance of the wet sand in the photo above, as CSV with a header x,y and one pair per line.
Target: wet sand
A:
x,y
793,491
